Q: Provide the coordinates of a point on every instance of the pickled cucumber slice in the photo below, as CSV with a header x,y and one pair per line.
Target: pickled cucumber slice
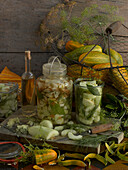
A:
x,y
89,108
87,122
97,119
97,111
83,83
93,83
88,96
97,100
87,102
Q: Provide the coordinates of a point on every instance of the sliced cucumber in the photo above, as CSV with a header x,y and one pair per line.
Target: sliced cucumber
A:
x,y
97,119
97,100
88,96
41,131
87,122
86,114
93,83
99,88
74,137
98,109
83,83
59,119
46,123
89,108
59,128
96,112
66,131
87,102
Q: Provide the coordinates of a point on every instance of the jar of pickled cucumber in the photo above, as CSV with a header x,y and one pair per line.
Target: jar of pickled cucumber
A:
x,y
88,94
54,92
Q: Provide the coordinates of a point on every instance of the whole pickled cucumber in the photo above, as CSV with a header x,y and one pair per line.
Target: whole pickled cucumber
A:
x,y
74,55
94,58
114,54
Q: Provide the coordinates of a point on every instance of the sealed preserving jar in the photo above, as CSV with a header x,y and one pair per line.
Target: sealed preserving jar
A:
x,y
8,99
54,92
88,95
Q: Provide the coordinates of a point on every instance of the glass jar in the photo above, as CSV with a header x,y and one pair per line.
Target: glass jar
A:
x,y
88,94
8,99
54,92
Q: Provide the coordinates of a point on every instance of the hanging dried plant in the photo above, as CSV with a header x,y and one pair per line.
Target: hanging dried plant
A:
x,y
50,29
61,24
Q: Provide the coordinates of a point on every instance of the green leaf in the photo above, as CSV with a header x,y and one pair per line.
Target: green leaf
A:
x,y
121,104
121,114
110,106
126,123
56,109
112,98
39,95
93,90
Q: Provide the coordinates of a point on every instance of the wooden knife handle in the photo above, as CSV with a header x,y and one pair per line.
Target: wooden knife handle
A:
x,y
113,27
101,128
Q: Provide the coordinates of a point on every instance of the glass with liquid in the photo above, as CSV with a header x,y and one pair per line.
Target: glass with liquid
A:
x,y
28,88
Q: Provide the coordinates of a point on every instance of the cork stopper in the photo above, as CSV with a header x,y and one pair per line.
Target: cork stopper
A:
x,y
28,55
27,60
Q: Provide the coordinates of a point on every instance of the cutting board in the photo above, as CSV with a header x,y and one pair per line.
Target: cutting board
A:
x,y
59,142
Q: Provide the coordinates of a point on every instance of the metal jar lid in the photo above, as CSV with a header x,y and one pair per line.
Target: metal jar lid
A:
x,y
54,67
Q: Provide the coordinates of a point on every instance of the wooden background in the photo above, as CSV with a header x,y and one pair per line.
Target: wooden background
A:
x,y
19,24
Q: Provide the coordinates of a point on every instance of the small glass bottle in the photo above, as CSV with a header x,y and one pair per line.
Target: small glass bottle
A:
x,y
54,93
28,87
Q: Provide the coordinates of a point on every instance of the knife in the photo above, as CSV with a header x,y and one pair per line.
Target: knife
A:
x,y
99,128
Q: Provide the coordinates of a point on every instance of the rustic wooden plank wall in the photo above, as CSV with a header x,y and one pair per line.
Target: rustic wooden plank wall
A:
x,y
19,23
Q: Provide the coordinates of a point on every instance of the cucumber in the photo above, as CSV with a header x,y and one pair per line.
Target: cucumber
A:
x,y
88,109
74,137
97,100
97,119
87,122
83,83
38,131
46,123
94,58
88,96
87,102
116,56
74,55
93,83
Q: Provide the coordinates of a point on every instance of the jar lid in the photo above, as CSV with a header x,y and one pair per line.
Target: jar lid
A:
x,y
54,67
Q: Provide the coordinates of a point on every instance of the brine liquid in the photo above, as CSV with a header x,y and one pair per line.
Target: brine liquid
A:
x,y
28,95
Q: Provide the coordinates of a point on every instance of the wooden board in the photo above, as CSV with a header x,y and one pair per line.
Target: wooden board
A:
x,y
60,142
